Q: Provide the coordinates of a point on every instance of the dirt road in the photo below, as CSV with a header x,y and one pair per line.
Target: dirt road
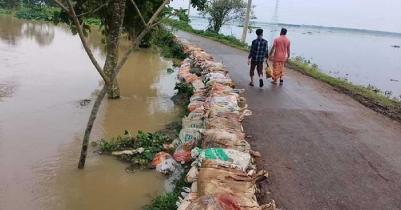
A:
x,y
323,150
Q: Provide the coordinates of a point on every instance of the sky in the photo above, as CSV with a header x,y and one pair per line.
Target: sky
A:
x,y
382,15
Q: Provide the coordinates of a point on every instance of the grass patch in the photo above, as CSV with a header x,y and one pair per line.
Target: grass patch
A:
x,y
231,41
369,96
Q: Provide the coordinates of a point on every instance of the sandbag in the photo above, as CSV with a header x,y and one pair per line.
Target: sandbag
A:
x,y
183,152
212,181
227,82
196,104
240,159
232,126
196,115
160,157
182,74
198,85
228,100
198,98
239,145
211,64
215,202
190,78
189,134
222,135
216,70
192,175
191,123
224,108
215,76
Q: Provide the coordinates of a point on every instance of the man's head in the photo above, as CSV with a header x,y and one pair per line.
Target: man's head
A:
x,y
259,32
283,31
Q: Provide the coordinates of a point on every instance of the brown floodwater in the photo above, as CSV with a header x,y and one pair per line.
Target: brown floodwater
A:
x,y
44,73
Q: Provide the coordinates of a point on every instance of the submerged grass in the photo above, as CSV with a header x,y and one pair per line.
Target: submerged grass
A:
x,y
369,96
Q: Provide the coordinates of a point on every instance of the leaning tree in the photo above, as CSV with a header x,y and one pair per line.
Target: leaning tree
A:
x,y
112,13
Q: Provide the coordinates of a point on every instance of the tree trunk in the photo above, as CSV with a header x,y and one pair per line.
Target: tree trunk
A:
x,y
88,130
113,30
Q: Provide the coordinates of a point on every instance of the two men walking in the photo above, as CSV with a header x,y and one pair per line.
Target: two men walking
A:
x,y
259,53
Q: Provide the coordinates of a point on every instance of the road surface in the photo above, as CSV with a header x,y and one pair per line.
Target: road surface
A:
x,y
323,150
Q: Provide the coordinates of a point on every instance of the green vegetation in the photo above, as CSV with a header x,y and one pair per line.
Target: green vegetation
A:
x,y
370,96
5,12
167,201
227,40
170,70
151,143
164,40
36,13
184,88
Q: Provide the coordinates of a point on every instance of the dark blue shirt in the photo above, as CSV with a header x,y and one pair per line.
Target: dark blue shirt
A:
x,y
259,50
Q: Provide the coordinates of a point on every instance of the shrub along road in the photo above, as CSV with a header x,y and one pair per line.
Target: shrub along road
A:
x,y
323,150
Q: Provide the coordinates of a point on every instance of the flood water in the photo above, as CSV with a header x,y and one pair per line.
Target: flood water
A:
x,y
44,73
362,58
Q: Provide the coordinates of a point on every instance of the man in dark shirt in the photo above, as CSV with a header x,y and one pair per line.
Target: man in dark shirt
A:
x,y
259,53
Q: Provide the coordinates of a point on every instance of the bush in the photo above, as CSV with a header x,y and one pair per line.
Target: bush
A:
x,y
164,39
184,88
5,12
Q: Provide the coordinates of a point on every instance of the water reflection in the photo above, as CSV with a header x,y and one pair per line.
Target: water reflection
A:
x,y
41,123
13,30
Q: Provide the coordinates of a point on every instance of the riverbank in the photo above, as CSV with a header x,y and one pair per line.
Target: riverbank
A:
x,y
371,97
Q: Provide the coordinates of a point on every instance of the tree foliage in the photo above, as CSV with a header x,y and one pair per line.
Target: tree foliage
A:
x,y
220,12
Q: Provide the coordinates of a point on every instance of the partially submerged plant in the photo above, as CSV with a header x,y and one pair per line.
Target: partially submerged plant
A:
x,y
147,144
184,88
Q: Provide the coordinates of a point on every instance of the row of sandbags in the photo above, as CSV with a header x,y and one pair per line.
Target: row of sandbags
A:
x,y
212,139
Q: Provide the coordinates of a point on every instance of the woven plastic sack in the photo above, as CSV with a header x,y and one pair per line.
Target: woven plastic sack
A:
x,y
182,74
228,100
160,157
239,145
183,152
227,82
189,134
240,159
198,85
195,104
222,135
217,70
215,76
215,202
190,78
197,98
224,108
192,175
232,126
191,123
197,114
